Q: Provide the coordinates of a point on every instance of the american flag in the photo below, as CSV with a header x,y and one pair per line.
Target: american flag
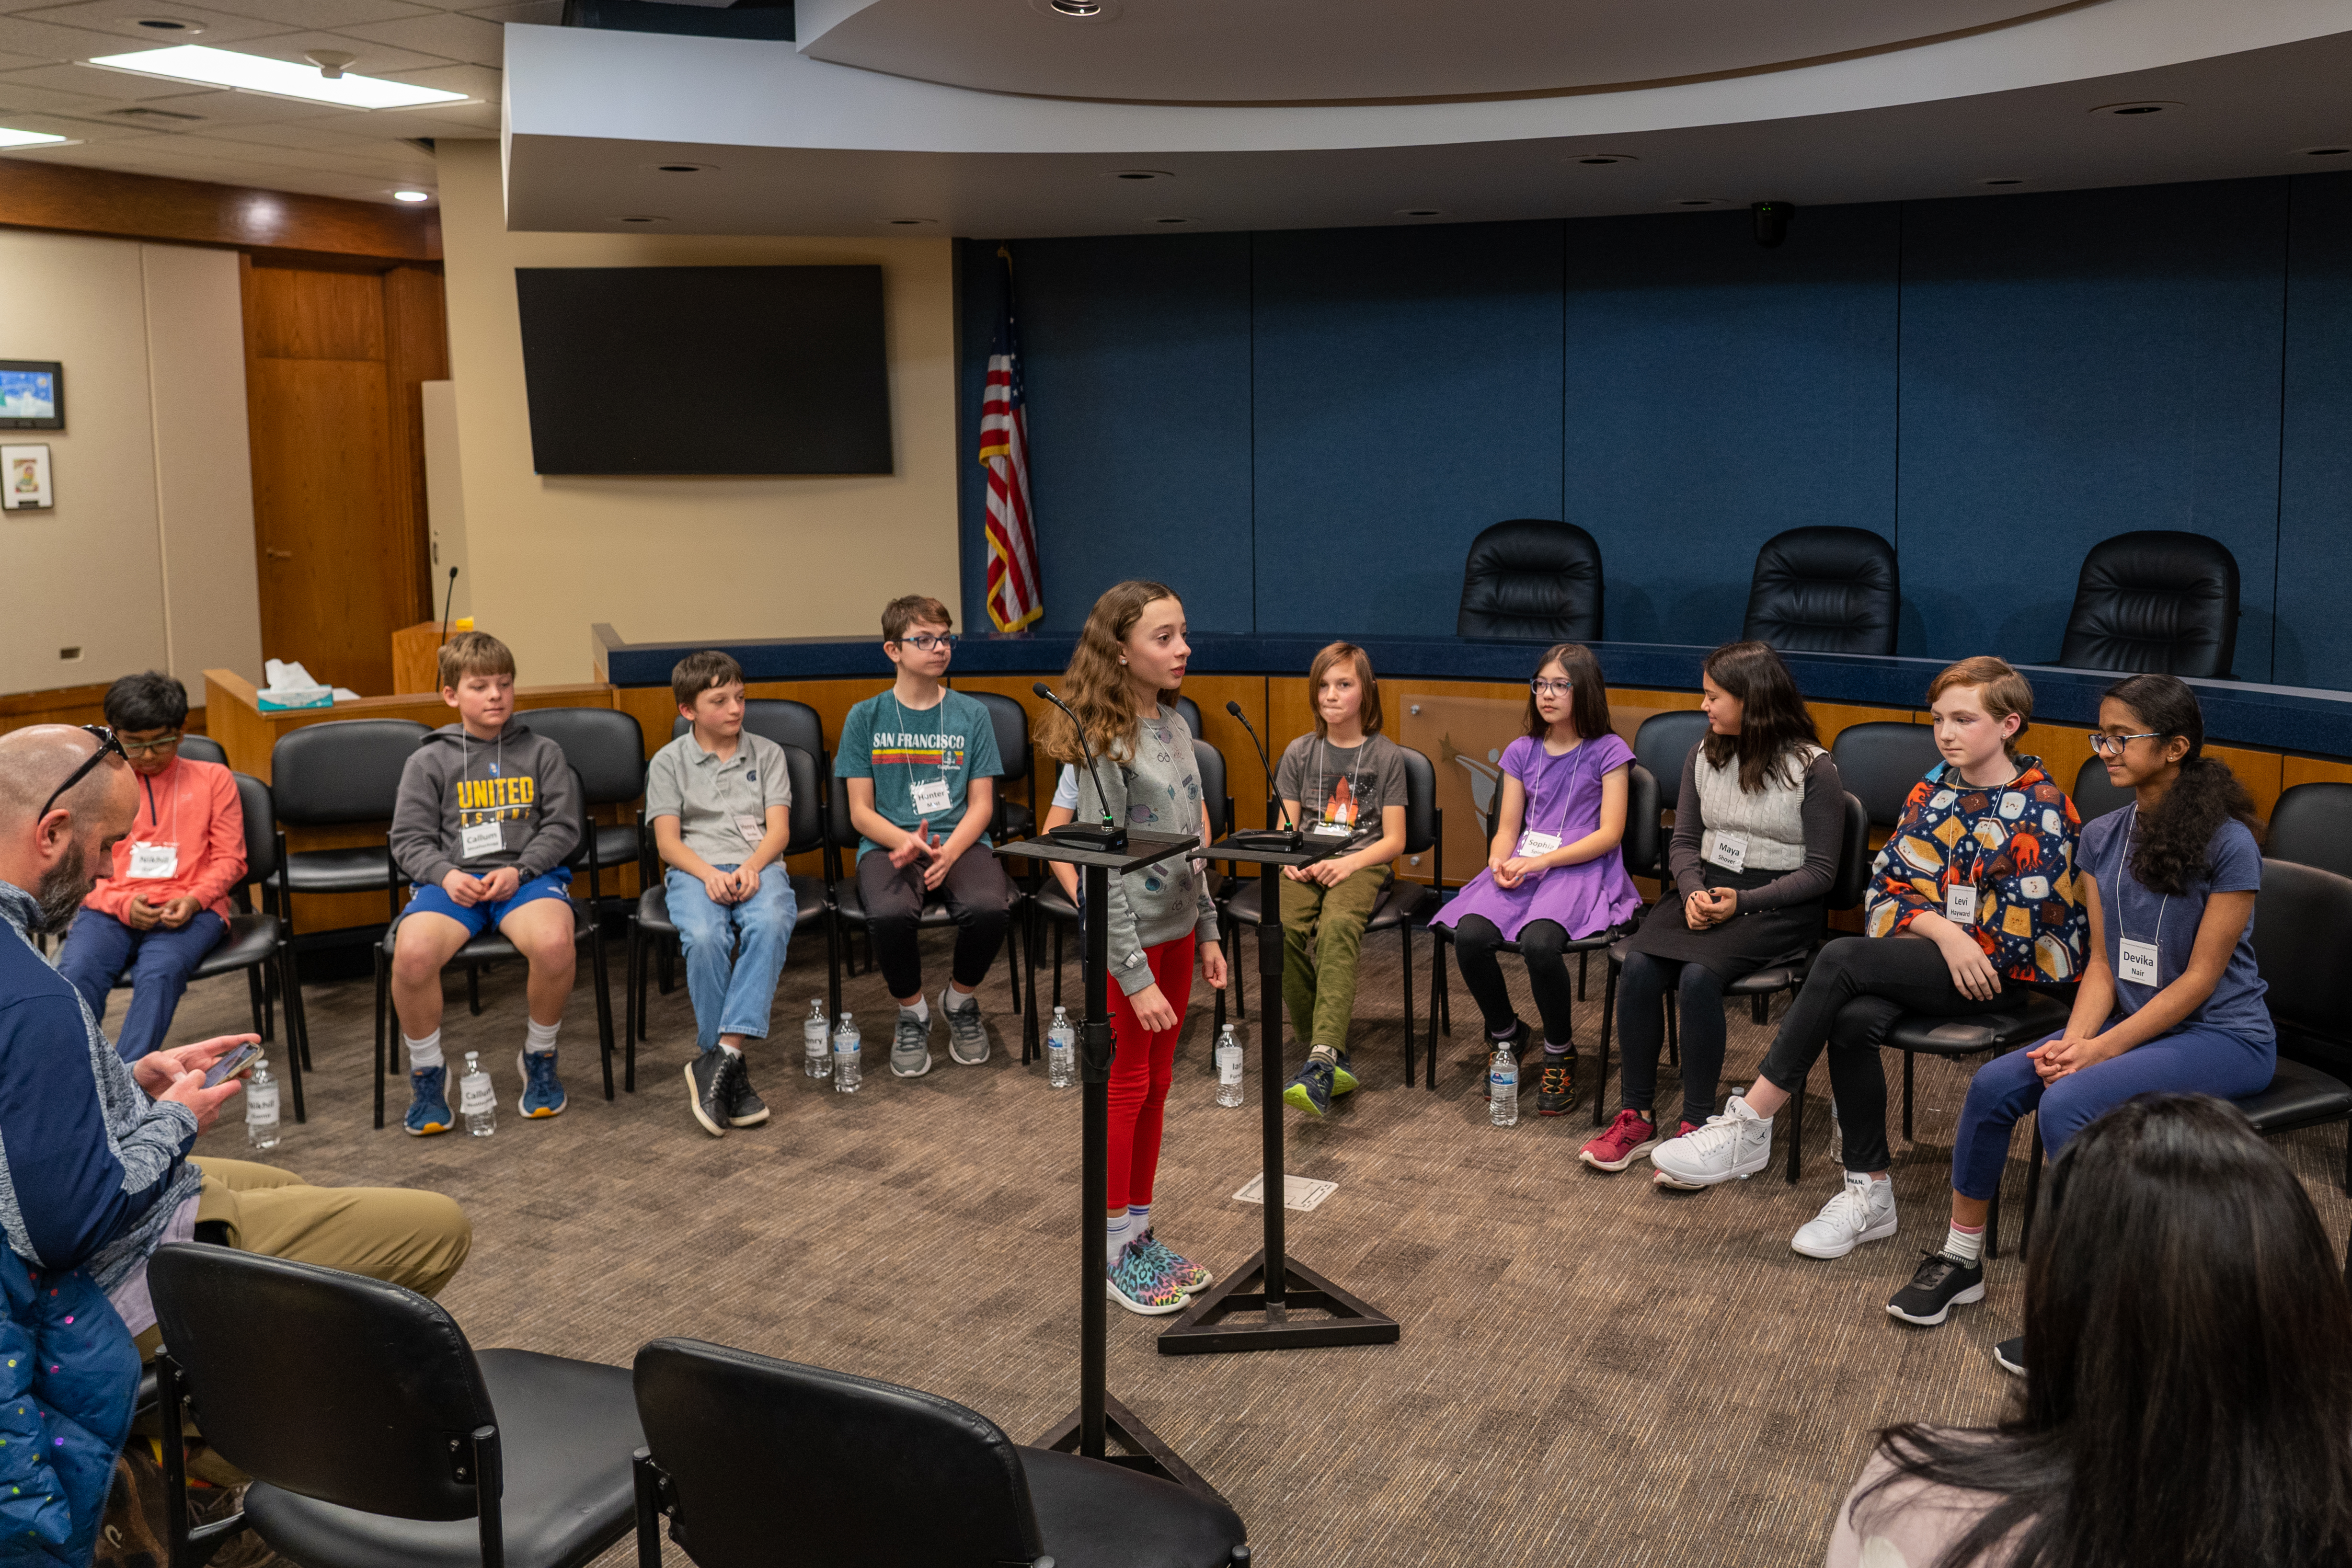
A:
x,y
1015,599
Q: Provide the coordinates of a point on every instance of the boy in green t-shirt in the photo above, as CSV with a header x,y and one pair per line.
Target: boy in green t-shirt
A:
x,y
919,764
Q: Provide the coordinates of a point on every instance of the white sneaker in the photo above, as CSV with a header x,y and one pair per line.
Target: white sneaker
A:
x,y
1736,1144
1863,1210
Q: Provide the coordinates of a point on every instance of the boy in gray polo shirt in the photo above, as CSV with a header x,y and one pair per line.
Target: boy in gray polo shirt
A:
x,y
721,803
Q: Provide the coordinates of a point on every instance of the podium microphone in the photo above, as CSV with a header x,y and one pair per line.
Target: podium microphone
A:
x,y
448,603
1110,838
1284,838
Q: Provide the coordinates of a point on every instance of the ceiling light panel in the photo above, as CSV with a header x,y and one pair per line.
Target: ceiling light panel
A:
x,y
278,79
13,138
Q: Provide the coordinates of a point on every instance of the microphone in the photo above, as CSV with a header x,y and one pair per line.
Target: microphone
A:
x,y
1286,837
1111,838
448,603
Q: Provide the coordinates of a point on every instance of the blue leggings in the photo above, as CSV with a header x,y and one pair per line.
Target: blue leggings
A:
x,y
2192,1059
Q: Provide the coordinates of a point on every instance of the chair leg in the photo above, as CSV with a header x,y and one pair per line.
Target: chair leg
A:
x,y
1404,929
2032,1186
1796,1129
1012,961
632,975
253,995
1583,968
1906,1096
293,1040
1608,1018
1241,992
1760,1008
383,990
1674,1033
1992,1224
604,1002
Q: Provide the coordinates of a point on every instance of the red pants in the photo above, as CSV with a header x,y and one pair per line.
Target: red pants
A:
x,y
1141,1068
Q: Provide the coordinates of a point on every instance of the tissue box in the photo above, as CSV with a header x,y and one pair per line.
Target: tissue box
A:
x,y
279,699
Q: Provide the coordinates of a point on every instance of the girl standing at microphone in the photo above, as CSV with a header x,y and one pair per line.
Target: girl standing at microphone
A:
x,y
1131,652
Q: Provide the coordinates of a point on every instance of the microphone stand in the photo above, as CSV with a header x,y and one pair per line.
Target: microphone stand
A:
x,y
448,603
1110,838
1286,839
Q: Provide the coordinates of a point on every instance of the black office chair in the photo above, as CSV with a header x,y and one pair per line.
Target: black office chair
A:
x,y
2312,825
343,773
375,1434
203,748
1881,763
758,1461
2094,796
1847,884
1661,744
606,748
1531,579
1825,590
650,924
1013,819
2158,602
1190,711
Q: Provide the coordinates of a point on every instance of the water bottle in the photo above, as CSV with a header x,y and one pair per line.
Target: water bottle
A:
x,y
261,1106
845,1056
1229,1068
1503,1087
1060,1051
814,1059
476,1102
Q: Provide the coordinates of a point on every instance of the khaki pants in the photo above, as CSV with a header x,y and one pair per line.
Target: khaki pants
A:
x,y
413,1238
1322,933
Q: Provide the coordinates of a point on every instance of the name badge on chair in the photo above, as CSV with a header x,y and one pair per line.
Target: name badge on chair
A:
x,y
481,838
1730,851
2136,962
154,860
1532,844
930,796
1960,903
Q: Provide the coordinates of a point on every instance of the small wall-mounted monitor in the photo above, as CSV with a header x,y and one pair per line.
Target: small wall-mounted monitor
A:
x,y
32,394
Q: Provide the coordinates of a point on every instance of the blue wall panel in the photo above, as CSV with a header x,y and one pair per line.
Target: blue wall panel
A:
x,y
1719,392
2313,634
1408,394
2075,366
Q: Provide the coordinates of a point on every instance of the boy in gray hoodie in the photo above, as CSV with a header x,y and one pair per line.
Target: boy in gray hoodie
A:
x,y
486,818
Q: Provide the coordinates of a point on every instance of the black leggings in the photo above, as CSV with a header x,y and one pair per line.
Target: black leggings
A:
x,y
1858,988
1477,942
1642,1026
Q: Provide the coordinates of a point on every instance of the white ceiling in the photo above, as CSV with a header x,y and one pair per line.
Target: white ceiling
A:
x,y
123,121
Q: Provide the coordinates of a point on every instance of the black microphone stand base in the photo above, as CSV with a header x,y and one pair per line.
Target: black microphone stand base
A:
x,y
1145,1451
1210,1324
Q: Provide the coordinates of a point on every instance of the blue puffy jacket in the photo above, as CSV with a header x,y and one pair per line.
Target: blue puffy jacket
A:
x,y
68,1378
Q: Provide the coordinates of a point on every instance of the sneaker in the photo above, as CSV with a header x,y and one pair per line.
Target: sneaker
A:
x,y
1174,1267
744,1108
1556,1089
2009,1353
1310,1089
967,1035
541,1094
910,1049
429,1104
1940,1285
710,1088
1739,1142
1863,1210
1136,1284
1342,1081
1518,1039
1629,1137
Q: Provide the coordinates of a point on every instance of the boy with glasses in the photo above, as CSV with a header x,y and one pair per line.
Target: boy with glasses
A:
x,y
166,905
919,764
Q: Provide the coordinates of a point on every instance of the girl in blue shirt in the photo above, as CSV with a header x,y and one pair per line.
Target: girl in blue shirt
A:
x,y
2171,999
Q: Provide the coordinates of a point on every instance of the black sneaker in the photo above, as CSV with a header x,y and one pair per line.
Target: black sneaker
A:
x,y
744,1108
1518,1039
1940,1285
2011,1355
710,1089
1555,1090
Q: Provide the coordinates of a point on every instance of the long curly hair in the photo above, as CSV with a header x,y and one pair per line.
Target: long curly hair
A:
x,y
1096,684
2174,843
1773,722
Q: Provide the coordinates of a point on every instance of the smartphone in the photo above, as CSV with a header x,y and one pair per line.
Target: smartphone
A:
x,y
235,1064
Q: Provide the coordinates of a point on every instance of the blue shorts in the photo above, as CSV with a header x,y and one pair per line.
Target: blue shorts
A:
x,y
432,900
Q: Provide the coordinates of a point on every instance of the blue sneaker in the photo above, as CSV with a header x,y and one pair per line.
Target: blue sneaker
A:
x,y
541,1094
1310,1089
428,1106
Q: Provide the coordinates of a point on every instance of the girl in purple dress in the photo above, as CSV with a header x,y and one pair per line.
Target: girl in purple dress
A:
x,y
1553,871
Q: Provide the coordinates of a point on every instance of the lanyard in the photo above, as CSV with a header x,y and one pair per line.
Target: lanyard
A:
x,y
155,821
1574,758
2162,899
1353,779
465,766
906,722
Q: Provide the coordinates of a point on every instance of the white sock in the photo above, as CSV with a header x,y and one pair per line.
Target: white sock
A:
x,y
956,1001
1120,1229
731,1049
540,1038
1139,1221
423,1055
1745,1112
1964,1245
921,1012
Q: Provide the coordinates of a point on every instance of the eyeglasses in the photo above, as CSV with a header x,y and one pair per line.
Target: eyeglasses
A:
x,y
1551,688
2104,743
924,642
106,743
149,748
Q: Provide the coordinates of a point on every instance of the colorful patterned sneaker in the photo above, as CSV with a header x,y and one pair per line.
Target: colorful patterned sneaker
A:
x,y
910,1046
541,1094
1342,1081
1555,1090
1629,1137
1136,1284
1174,1267
967,1033
428,1107
1310,1089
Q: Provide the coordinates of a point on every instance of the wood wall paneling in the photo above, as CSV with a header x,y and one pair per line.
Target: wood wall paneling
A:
x,y
416,350
76,200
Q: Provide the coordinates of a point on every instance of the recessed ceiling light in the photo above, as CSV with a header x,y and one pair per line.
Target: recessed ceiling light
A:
x,y
279,78
1077,7
1421,212
1076,10
2324,152
412,195
9,138
169,24
2001,180
2131,110
1598,158
641,220
1141,174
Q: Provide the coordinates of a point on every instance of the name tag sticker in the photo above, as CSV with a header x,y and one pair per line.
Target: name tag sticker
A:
x,y
481,838
930,796
2136,962
1960,903
1332,829
753,829
1730,851
154,860
1532,844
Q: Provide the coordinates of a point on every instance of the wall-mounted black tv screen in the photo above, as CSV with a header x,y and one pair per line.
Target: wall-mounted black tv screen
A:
x,y
705,370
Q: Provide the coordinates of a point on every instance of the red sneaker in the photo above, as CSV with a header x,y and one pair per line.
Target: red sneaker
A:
x,y
1628,1138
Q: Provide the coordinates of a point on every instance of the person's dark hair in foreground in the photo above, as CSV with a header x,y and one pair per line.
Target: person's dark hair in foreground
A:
x,y
2189,1347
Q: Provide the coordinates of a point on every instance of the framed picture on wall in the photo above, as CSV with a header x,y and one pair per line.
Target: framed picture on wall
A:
x,y
32,394
24,478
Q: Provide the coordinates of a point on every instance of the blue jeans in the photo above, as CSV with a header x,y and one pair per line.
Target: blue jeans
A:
x,y
100,948
2192,1059
732,992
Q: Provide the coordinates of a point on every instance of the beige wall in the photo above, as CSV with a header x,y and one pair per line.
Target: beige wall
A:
x,y
716,557
147,558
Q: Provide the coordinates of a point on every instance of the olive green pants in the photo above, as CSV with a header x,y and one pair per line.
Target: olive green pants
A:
x,y
1322,933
